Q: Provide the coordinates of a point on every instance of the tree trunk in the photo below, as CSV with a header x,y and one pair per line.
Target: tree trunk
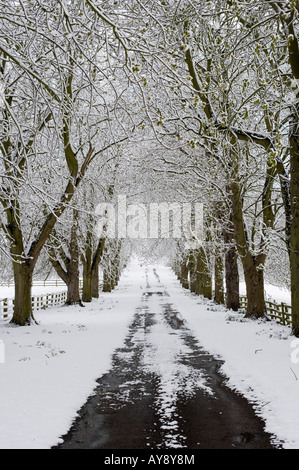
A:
x,y
23,301
87,284
254,279
192,269
73,286
95,282
115,266
95,268
252,265
107,278
177,270
207,285
219,285
73,290
294,231
112,281
232,281
293,226
203,276
200,269
185,274
87,271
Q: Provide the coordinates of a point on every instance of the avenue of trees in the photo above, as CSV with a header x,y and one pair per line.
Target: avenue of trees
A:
x,y
160,100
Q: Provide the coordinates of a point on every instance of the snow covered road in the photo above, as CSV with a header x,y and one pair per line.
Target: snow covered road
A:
x,y
164,391
163,349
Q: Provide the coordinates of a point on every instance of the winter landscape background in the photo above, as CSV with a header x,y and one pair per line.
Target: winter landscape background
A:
x,y
109,108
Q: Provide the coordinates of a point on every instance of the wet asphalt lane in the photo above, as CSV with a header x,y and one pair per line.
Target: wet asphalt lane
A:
x,y
164,391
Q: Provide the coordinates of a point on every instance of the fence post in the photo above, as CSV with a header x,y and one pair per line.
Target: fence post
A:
x,y
283,313
5,308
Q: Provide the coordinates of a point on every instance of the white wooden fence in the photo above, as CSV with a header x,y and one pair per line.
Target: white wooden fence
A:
x,y
39,302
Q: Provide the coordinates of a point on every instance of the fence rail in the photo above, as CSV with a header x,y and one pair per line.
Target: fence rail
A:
x,y
47,283
38,302
281,313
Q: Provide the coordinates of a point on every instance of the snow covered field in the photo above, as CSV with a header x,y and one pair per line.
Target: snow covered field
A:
x,y
50,369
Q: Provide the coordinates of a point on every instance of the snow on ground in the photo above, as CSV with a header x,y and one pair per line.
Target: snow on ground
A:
x,y
50,369
261,359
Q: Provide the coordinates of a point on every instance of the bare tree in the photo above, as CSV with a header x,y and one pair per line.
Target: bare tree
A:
x,y
50,134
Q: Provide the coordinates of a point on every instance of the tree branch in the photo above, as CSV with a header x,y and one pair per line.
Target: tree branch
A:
x,y
240,134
